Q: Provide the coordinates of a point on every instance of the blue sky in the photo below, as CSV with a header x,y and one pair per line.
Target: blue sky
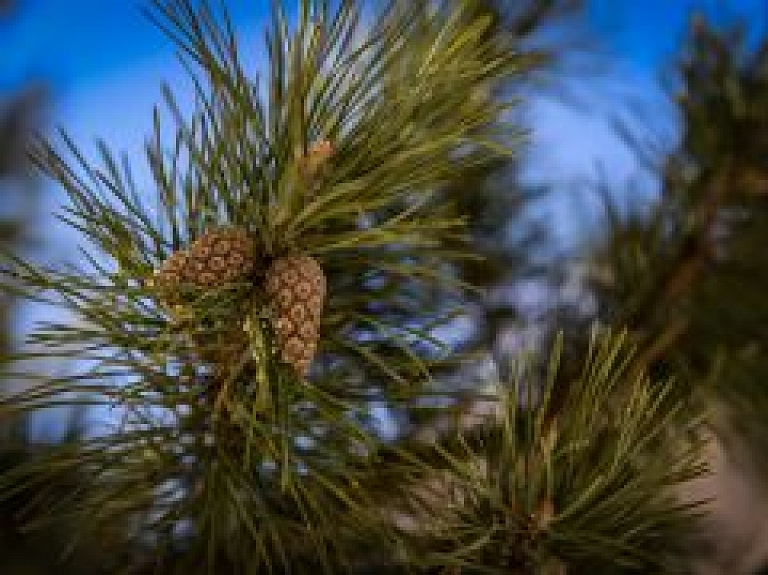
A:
x,y
76,41
81,40
648,31
104,67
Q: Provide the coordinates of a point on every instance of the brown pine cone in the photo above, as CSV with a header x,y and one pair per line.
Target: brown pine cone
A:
x,y
220,257
296,287
171,276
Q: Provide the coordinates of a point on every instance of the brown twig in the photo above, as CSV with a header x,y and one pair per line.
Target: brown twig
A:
x,y
679,284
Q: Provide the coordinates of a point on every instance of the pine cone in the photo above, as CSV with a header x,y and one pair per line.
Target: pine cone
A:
x,y
296,289
170,277
217,258
220,257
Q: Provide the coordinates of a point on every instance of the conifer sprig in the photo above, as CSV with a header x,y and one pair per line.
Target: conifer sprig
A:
x,y
246,465
597,488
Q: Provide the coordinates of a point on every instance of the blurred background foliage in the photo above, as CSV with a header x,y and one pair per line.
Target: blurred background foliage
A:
x,y
685,271
22,111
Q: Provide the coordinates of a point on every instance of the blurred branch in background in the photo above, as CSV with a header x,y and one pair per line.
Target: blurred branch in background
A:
x,y
21,113
687,274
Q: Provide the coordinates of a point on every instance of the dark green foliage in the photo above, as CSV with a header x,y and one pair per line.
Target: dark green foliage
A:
x,y
593,490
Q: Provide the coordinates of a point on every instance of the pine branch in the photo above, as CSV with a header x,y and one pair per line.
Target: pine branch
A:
x,y
594,490
685,273
219,442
